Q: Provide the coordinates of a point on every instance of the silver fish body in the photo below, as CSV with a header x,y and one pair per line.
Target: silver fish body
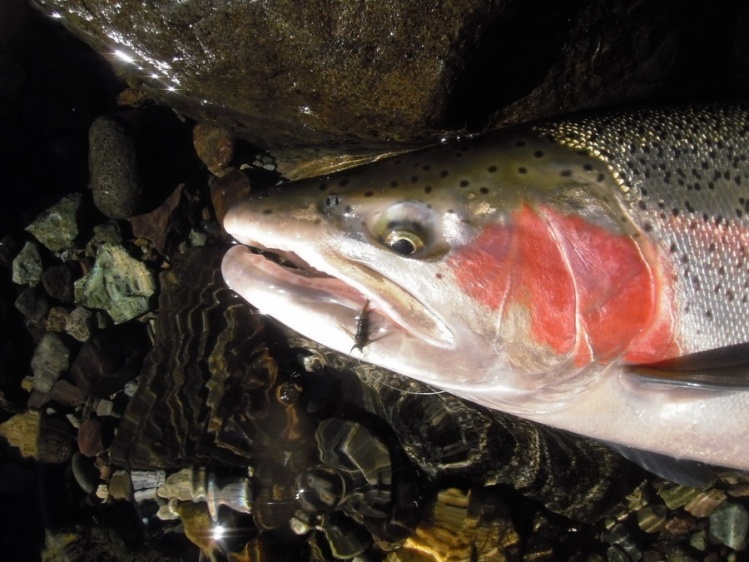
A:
x,y
535,271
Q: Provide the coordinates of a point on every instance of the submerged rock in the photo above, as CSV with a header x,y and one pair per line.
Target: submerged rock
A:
x,y
118,284
27,266
57,226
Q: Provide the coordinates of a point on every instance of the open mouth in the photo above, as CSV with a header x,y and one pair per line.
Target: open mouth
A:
x,y
338,288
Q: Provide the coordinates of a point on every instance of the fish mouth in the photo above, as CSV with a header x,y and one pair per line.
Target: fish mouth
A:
x,y
332,291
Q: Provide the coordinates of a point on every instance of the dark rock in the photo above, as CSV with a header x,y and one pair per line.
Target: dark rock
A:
x,y
56,443
107,233
400,71
58,282
32,304
729,524
66,393
27,267
116,180
85,473
214,146
51,358
89,438
110,359
56,318
167,224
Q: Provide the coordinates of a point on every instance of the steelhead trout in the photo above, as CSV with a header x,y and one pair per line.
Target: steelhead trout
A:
x,y
589,273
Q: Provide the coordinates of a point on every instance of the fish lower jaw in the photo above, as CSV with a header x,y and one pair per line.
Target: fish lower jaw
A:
x,y
277,285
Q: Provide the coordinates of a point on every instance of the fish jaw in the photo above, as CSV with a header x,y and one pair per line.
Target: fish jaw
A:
x,y
322,299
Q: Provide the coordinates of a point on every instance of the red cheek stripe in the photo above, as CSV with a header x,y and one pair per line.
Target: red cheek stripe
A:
x,y
562,269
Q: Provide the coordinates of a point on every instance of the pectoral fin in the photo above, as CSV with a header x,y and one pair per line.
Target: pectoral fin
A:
x,y
725,368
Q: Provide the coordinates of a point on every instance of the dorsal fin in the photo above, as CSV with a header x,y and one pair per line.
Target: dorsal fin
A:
x,y
721,368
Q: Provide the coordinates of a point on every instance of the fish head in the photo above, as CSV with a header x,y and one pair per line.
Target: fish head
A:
x,y
426,244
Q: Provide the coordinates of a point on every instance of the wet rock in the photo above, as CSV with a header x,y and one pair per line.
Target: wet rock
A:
x,y
89,438
704,504
27,267
116,181
168,223
118,284
214,146
676,495
58,282
51,358
21,431
56,317
80,323
65,393
652,519
110,359
57,226
227,190
729,524
85,473
32,304
107,233
56,443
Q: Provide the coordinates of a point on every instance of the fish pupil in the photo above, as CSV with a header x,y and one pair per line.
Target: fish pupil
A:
x,y
403,246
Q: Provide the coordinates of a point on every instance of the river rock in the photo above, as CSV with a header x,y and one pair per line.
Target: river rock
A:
x,y
58,282
57,226
118,284
80,323
27,267
32,304
116,180
51,358
325,78
729,524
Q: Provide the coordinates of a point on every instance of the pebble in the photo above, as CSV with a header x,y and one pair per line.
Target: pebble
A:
x,y
729,524
51,358
110,359
166,224
57,280
214,146
118,284
676,495
652,519
56,318
57,226
115,178
704,504
85,473
80,323
66,393
89,438
107,233
55,443
32,304
27,267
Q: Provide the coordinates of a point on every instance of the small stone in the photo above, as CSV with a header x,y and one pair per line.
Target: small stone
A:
x,y
110,359
118,283
32,304
699,540
729,524
616,554
80,323
55,443
116,181
66,393
51,358
652,519
58,282
27,267
107,233
704,504
198,238
56,319
167,224
85,473
679,526
679,553
121,486
57,226
676,495
104,408
214,146
89,438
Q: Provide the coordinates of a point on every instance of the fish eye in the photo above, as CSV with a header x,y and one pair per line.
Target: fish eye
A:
x,y
409,229
403,242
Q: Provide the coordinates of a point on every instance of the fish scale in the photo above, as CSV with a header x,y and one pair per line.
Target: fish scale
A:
x,y
689,189
550,271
